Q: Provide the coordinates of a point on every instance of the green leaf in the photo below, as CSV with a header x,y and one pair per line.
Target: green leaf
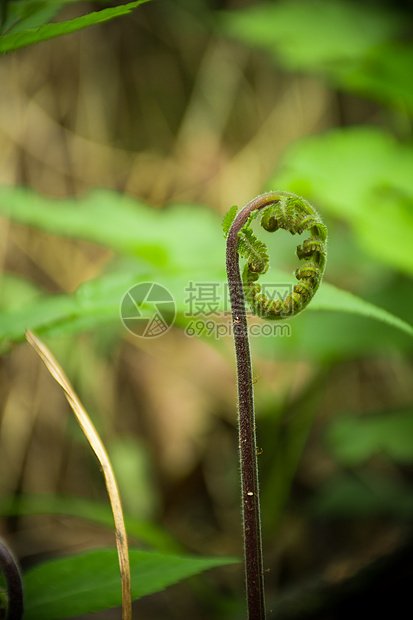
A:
x,y
228,219
315,35
354,440
363,177
90,582
15,291
14,41
330,297
25,14
97,302
30,14
181,237
346,42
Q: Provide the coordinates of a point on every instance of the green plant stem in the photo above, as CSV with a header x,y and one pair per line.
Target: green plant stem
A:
x,y
14,584
254,572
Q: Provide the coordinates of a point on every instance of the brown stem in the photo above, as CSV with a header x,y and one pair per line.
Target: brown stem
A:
x,y
254,573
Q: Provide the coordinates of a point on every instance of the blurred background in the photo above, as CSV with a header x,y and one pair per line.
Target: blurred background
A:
x,y
208,103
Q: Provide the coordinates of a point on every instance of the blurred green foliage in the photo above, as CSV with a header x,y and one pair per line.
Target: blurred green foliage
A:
x,y
359,177
363,494
354,440
362,177
330,37
170,246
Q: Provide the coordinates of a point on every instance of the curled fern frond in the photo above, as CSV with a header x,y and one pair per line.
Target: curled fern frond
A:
x,y
282,210
253,250
249,246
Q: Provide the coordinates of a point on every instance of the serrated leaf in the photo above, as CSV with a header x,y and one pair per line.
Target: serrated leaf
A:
x,y
26,14
32,14
14,41
90,582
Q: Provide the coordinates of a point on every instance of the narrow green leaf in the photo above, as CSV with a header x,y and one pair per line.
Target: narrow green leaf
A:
x,y
26,14
330,297
14,41
90,582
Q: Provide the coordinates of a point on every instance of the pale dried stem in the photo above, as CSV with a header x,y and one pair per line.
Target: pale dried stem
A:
x,y
100,451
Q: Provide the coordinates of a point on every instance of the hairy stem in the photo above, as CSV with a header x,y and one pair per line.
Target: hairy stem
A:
x,y
254,573
279,210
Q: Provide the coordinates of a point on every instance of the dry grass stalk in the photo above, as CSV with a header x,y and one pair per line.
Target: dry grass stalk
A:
x,y
100,451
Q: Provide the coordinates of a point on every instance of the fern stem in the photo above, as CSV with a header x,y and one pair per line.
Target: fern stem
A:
x,y
254,572
292,213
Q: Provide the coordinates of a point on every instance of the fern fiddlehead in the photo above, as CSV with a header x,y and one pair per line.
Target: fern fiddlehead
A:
x,y
277,210
289,212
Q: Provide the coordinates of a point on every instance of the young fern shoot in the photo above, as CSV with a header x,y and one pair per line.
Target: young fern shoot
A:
x,y
289,212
